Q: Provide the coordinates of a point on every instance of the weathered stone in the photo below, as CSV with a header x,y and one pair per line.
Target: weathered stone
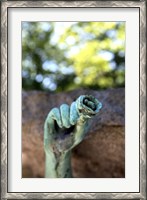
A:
x,y
100,155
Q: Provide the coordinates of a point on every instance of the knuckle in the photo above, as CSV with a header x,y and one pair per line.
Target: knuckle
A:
x,y
54,110
64,107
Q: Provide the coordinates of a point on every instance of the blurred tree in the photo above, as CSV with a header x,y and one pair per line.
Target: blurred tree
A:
x,y
40,58
84,54
99,60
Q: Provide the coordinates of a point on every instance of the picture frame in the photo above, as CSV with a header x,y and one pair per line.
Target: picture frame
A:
x,y
6,106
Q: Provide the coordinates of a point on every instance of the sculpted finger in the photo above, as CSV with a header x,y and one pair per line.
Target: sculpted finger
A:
x,y
55,115
64,109
73,114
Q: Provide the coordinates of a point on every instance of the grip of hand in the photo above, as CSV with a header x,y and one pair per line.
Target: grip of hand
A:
x,y
64,128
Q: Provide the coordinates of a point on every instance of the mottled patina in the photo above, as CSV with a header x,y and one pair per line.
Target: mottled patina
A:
x,y
64,128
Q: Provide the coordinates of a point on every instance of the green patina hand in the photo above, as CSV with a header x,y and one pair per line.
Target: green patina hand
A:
x,y
64,128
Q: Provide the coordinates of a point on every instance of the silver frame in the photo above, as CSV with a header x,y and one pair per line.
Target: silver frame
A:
x,y
4,98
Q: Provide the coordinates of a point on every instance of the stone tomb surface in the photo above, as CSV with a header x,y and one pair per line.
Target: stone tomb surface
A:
x,y
100,155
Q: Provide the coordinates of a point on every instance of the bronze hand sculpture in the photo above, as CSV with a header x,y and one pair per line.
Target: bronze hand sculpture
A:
x,y
64,128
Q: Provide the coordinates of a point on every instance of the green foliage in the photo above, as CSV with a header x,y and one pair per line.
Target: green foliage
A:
x,y
82,54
